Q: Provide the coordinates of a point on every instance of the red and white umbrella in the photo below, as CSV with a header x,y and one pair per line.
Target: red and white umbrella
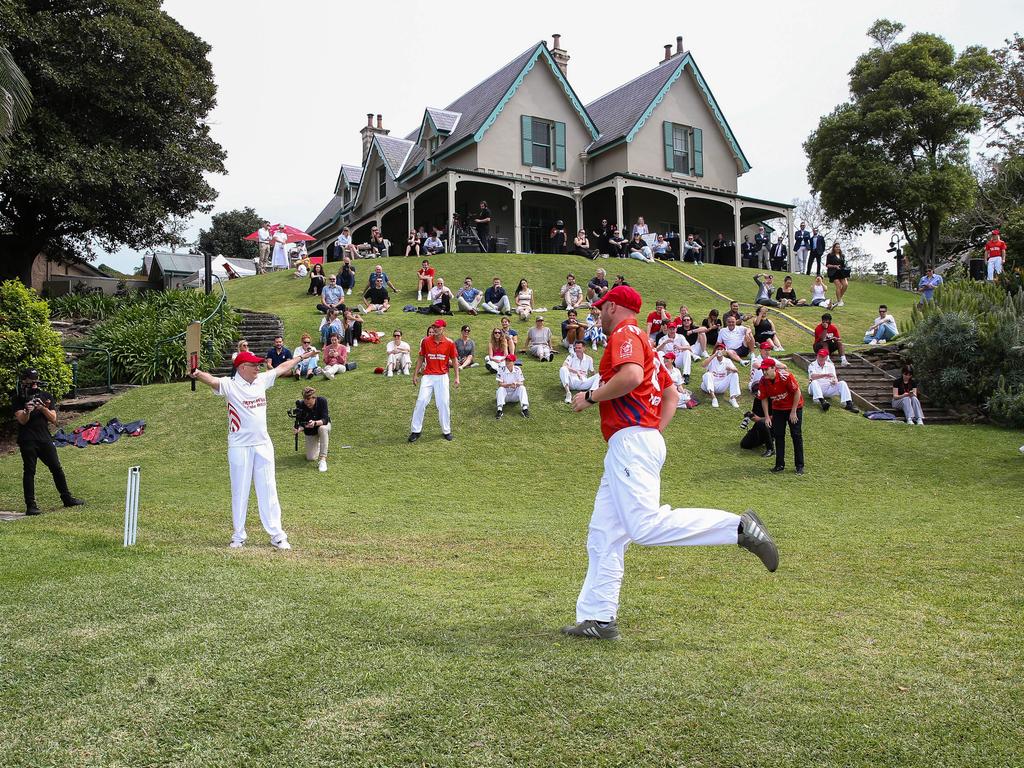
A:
x,y
295,235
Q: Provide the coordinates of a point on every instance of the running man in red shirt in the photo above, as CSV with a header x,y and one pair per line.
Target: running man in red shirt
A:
x,y
436,354
637,401
995,253
786,407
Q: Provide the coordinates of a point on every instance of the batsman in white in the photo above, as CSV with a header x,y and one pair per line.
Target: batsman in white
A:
x,y
250,450
637,402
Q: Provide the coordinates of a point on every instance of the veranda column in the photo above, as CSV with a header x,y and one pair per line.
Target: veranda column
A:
x,y
619,222
681,194
451,211
517,217
736,230
577,197
408,203
789,238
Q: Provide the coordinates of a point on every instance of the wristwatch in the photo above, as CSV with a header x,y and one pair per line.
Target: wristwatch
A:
x,y
587,397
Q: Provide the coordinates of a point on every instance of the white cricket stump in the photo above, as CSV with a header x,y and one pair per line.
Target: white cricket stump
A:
x,y
131,507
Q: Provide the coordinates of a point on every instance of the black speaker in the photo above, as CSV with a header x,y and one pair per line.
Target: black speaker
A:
x,y
977,269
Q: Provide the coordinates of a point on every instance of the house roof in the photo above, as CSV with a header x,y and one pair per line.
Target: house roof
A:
x,y
187,263
444,120
353,173
327,215
621,113
394,151
417,156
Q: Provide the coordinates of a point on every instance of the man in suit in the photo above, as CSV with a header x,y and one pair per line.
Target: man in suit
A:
x,y
762,244
801,246
747,252
723,249
778,256
817,251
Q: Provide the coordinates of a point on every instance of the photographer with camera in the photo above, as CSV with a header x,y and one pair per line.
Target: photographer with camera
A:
x,y
755,431
311,417
35,410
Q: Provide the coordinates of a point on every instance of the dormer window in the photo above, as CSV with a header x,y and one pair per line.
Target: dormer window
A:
x,y
382,183
432,144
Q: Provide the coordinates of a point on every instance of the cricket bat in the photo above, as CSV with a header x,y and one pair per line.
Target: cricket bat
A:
x,y
193,336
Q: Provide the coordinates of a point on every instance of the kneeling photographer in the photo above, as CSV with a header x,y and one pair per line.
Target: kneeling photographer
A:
x,y
35,411
757,434
311,417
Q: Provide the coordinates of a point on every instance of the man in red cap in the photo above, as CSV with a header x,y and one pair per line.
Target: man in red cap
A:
x,y
436,354
637,401
250,450
779,392
995,253
823,383
511,388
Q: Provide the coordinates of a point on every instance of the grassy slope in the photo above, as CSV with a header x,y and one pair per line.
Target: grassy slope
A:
x,y
415,621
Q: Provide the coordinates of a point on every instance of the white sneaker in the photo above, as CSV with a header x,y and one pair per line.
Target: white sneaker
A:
x,y
714,402
843,361
733,403
594,346
355,342
237,543
349,292
781,349
744,363
329,374
873,342
281,543
910,421
419,297
322,466
568,397
920,422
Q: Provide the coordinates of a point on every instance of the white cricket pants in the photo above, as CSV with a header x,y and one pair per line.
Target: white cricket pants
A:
x,y
801,260
994,267
730,383
436,386
684,361
628,508
398,363
254,465
517,395
575,383
820,388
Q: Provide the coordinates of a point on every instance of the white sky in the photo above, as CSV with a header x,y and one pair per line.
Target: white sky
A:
x,y
296,79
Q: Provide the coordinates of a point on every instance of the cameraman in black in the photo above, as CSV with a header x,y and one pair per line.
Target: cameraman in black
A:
x,y
35,411
311,417
757,435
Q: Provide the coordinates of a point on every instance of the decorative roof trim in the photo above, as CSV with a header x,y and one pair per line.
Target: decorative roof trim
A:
x,y
411,172
709,99
542,50
427,116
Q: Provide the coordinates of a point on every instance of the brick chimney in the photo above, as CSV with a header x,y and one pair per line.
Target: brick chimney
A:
x,y
559,54
679,44
668,52
369,130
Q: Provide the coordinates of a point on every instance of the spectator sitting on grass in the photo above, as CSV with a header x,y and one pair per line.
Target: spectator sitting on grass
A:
x,y
661,248
524,299
639,250
737,339
424,279
712,326
278,353
819,294
378,273
677,379
465,348
352,328
764,291
905,396
243,346
823,383
511,388
676,344
510,334
398,355
764,329
734,310
786,295
347,275
376,298
618,246
581,246
577,372
693,250
571,293
598,285
317,280
433,245
332,297
657,319
301,268
335,357
440,298
496,299
720,376
572,330
310,366
594,334
330,324
412,243
497,350
694,335
539,340
469,298
826,334
883,328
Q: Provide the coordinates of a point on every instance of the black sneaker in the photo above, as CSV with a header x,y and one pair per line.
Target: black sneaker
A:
x,y
851,407
799,470
825,404
448,437
768,453
779,468
71,501
526,413
686,379
594,630
499,413
754,538
414,436
32,510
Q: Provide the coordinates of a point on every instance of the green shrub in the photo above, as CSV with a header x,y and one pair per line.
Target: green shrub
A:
x,y
133,331
1006,406
28,341
91,306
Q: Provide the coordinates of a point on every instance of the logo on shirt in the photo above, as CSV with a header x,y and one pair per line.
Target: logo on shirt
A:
x,y
234,423
626,349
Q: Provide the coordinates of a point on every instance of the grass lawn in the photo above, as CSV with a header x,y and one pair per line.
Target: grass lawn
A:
x,y
415,622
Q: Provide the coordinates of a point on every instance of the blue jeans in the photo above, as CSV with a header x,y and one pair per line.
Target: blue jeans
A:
x,y
306,366
882,333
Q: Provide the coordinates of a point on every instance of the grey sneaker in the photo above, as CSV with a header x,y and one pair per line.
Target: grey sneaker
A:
x,y
753,536
594,630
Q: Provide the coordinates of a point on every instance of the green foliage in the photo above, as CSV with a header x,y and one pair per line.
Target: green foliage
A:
x,y
28,341
91,306
132,332
224,237
15,101
119,143
895,156
967,347
1002,96
1006,406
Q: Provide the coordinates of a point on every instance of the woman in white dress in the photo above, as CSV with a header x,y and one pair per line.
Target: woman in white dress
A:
x,y
524,299
280,257
819,291
398,355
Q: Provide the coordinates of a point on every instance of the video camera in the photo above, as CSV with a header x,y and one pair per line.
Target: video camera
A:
x,y
296,415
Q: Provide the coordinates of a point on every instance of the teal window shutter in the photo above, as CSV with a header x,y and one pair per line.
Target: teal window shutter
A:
x,y
698,152
559,146
526,123
667,128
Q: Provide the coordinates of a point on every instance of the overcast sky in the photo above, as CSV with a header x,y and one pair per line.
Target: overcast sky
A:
x,y
296,79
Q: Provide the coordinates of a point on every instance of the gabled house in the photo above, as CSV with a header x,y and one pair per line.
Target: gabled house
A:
x,y
658,146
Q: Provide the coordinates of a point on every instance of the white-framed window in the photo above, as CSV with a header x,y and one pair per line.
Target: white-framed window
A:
x,y
382,183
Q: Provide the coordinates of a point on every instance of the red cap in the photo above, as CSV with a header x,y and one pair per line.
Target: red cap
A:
x,y
246,357
995,231
670,355
766,345
624,296
767,363
513,358
439,323
720,345
823,352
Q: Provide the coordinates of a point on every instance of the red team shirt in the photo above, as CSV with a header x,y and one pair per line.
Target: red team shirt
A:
x,y
641,407
438,353
428,272
822,331
994,248
781,392
655,319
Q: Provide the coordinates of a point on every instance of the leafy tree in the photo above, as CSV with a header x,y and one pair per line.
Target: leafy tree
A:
x,y
15,101
1002,96
28,341
811,211
224,237
118,142
894,157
